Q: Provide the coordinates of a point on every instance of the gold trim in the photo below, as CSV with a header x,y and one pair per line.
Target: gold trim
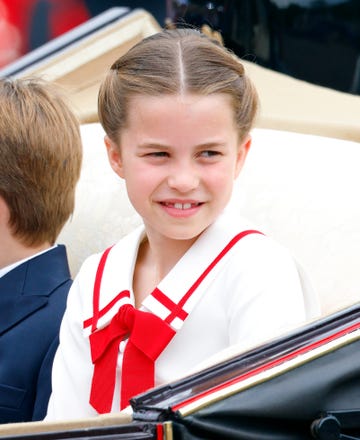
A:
x,y
168,431
114,419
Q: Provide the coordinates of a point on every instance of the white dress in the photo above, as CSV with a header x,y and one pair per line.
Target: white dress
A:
x,y
255,292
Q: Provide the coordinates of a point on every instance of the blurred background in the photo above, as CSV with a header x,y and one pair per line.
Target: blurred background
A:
x,y
314,40
28,24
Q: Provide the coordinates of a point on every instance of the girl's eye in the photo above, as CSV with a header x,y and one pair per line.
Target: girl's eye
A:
x,y
209,153
158,154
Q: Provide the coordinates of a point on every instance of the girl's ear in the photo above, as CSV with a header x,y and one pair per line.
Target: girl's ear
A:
x,y
114,156
243,150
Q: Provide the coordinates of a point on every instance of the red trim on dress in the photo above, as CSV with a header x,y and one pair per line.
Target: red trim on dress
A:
x,y
148,335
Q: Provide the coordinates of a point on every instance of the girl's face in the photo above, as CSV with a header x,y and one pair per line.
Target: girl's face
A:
x,y
179,156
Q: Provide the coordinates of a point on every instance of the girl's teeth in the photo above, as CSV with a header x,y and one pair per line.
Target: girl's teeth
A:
x,y
182,206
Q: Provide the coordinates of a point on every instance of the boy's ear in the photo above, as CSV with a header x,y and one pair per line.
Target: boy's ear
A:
x,y
243,150
114,156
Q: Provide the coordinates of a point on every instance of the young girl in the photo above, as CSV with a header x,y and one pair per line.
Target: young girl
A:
x,y
177,110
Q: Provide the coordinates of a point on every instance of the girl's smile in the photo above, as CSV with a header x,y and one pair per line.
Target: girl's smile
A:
x,y
181,208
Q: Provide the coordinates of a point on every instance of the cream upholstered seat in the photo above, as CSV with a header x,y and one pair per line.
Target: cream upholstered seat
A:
x,y
300,189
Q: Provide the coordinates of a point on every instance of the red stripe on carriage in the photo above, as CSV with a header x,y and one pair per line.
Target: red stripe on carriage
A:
x,y
268,366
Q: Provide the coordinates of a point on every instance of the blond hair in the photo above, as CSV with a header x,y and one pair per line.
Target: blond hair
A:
x,y
175,61
41,154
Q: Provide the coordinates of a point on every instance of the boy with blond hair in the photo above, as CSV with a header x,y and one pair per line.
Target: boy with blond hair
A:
x,y
41,154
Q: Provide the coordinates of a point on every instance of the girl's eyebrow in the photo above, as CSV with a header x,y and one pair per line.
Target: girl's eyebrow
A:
x,y
212,144
154,145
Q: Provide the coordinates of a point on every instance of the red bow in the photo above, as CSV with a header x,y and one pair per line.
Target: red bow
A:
x,y
148,336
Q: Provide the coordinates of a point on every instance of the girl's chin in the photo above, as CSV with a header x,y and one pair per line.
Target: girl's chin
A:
x,y
182,235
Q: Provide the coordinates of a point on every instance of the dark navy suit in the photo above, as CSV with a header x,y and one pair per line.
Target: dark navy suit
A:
x,y
32,303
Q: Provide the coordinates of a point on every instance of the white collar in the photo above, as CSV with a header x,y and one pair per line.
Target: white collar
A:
x,y
194,262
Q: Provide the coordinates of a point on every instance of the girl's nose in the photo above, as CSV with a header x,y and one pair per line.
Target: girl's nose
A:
x,y
183,178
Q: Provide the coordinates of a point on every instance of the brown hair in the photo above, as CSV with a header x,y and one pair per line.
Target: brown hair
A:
x,y
41,154
175,61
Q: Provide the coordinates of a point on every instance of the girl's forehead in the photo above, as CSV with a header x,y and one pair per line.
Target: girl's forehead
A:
x,y
179,101
181,111
180,119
